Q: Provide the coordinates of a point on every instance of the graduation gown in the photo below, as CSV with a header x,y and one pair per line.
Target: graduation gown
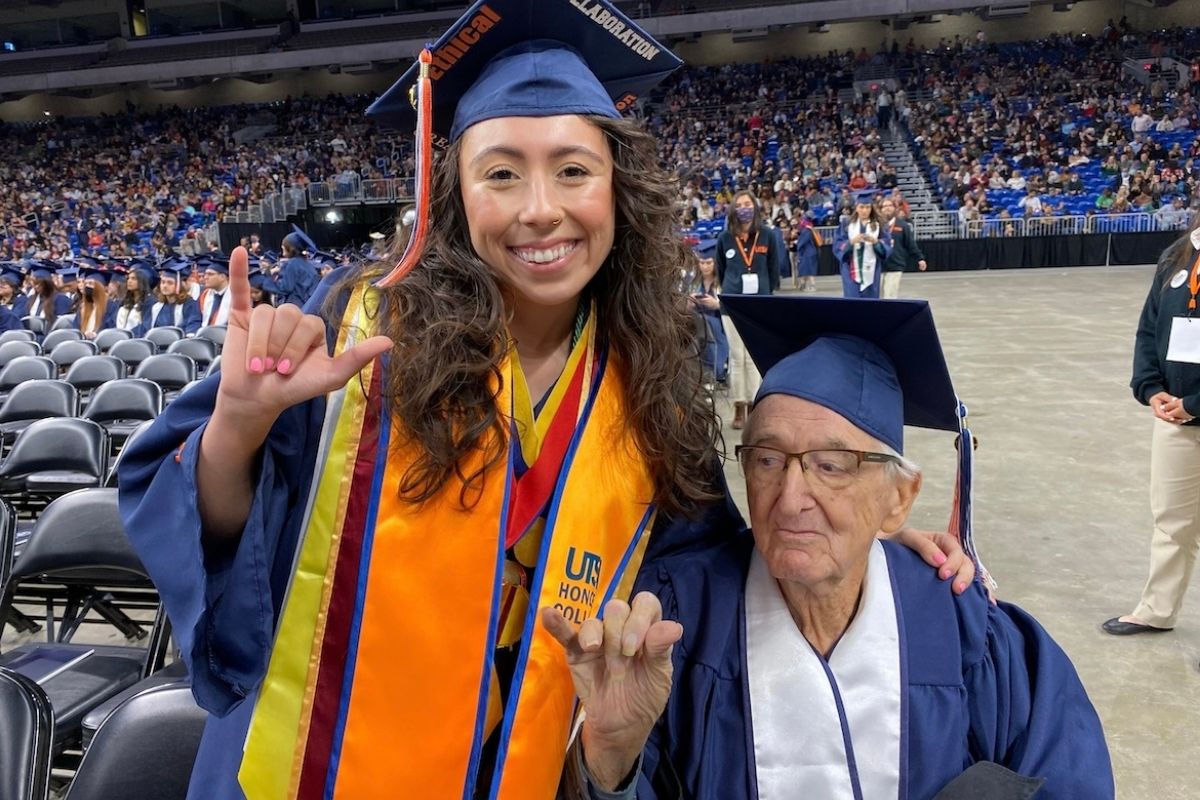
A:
x,y
977,682
224,606
297,280
109,321
159,315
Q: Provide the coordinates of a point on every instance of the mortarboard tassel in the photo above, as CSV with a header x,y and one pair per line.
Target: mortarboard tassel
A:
x,y
962,516
424,150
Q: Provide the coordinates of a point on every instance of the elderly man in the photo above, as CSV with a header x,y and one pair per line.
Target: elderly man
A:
x,y
814,660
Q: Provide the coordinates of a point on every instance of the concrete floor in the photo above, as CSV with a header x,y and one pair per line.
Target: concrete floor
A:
x,y
1042,358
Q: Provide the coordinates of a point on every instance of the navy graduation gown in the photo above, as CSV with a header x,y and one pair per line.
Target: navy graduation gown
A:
x,y
981,683
20,304
9,321
189,318
224,606
109,321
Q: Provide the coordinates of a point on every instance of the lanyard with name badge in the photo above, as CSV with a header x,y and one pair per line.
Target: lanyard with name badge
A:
x,y
1184,342
749,277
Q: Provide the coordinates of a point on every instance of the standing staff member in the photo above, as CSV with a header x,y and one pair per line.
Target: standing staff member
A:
x,y
747,263
861,246
1166,377
906,252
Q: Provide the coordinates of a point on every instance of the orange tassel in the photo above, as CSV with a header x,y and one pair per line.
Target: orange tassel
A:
x,y
424,147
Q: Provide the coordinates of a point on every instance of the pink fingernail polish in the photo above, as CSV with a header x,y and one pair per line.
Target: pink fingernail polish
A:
x,y
270,363
256,364
285,366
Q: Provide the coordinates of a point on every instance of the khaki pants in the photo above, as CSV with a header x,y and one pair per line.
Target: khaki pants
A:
x,y
1175,504
891,285
743,375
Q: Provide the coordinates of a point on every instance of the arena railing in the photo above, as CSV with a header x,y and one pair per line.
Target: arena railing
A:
x,y
946,225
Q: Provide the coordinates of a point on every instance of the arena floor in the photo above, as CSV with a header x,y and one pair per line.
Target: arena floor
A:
x,y
1042,358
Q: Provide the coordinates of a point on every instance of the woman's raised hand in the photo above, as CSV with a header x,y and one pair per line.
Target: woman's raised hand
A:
x,y
274,358
621,667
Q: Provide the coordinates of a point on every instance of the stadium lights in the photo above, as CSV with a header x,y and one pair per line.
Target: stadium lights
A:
x,y
333,217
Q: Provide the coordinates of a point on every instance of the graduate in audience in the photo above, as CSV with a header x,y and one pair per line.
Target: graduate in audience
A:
x,y
262,288
371,505
215,297
11,296
47,301
139,296
817,660
67,278
96,310
172,305
298,276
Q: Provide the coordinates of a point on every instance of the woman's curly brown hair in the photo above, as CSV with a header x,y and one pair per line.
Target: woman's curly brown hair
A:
x,y
448,319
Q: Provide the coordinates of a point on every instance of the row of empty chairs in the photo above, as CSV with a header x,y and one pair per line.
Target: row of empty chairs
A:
x,y
172,371
124,725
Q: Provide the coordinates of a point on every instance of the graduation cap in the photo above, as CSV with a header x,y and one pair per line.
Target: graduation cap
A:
x,y
68,272
530,58
174,267
298,240
517,58
865,197
215,263
11,274
145,272
97,274
877,363
705,248
270,256
43,269
322,258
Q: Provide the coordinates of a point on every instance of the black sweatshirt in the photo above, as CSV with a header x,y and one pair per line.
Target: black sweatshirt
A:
x,y
1152,373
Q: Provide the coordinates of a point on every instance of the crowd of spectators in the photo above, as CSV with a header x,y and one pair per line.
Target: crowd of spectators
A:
x,y
1058,127
144,183
1005,131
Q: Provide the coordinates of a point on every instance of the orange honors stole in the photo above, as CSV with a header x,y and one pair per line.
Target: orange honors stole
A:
x,y
381,674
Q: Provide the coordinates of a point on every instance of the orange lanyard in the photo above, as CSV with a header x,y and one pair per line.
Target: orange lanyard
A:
x,y
747,257
1194,284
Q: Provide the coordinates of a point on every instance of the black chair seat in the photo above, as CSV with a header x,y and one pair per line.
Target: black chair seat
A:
x,y
58,482
77,690
24,530
173,673
9,430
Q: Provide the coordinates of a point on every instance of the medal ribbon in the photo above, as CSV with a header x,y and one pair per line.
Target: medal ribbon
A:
x,y
748,258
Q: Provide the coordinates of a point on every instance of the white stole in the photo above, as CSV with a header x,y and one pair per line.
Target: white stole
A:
x,y
177,314
207,299
812,718
129,317
866,269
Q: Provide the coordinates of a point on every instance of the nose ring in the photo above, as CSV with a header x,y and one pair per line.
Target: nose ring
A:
x,y
557,222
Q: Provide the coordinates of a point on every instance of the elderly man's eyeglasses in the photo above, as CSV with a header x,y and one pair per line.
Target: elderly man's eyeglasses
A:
x,y
830,469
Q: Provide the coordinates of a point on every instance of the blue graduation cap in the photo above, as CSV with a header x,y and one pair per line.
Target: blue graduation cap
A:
x,y
531,58
270,256
68,272
215,263
322,258
175,267
299,240
11,273
706,248
865,196
97,274
145,271
86,261
262,281
879,364
43,269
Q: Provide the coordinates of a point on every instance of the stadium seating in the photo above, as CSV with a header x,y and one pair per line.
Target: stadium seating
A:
x,y
15,348
121,406
34,400
163,336
133,351
106,338
90,372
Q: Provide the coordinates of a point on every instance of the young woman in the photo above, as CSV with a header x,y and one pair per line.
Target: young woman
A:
x,y
808,247
137,300
703,294
173,304
369,533
96,311
749,261
861,247
47,302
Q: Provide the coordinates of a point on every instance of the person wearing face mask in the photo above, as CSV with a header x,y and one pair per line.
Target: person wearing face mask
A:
x,y
862,246
377,498
96,312
748,261
1166,378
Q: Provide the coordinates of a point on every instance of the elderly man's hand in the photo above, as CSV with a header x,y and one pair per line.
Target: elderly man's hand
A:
x,y
940,550
621,667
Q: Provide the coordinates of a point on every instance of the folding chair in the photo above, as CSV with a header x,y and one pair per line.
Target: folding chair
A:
x,y
50,458
27,720
202,351
122,405
35,400
106,338
79,562
146,748
163,336
133,351
171,371
65,354
57,336
90,372
15,348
